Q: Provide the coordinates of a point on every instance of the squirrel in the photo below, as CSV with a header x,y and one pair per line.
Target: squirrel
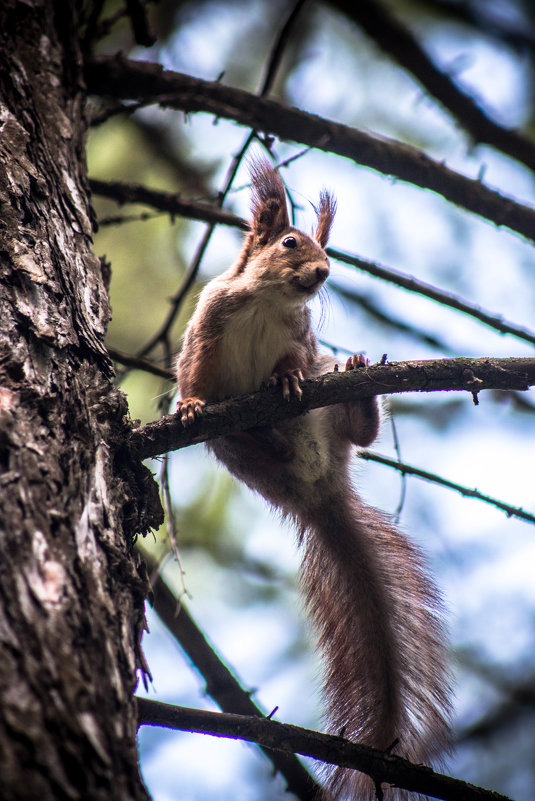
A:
x,y
375,610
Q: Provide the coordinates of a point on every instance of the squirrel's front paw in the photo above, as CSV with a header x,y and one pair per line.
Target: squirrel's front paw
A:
x,y
290,383
189,409
357,361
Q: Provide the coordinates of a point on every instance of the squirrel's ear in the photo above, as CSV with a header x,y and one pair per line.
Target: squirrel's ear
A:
x,y
325,211
268,203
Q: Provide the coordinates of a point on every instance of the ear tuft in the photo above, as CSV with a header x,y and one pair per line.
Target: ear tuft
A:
x,y
268,202
325,212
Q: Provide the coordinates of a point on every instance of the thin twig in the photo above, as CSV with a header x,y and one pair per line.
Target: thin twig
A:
x,y
428,290
171,202
409,470
171,525
388,320
502,28
140,364
279,46
397,448
122,219
162,334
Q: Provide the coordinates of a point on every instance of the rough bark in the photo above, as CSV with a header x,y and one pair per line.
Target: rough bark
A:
x,y
71,588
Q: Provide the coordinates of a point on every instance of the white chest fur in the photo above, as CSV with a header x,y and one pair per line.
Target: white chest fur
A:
x,y
255,337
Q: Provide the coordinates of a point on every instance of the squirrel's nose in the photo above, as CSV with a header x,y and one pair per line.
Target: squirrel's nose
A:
x,y
322,273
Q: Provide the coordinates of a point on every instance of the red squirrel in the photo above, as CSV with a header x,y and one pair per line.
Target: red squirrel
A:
x,y
375,610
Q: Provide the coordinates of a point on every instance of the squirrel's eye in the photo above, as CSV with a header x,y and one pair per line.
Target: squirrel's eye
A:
x,y
290,242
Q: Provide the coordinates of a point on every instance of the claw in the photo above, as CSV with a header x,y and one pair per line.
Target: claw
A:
x,y
357,361
285,383
189,409
290,383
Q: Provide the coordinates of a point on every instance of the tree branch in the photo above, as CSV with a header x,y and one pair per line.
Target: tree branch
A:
x,y
388,320
439,295
334,750
409,470
123,192
273,64
172,203
140,364
398,42
404,469
222,685
122,78
140,23
267,407
481,19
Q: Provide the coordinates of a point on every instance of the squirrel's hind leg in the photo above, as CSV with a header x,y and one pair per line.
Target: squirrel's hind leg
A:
x,y
359,420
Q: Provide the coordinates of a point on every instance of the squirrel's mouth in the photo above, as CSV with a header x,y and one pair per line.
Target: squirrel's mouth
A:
x,y
307,289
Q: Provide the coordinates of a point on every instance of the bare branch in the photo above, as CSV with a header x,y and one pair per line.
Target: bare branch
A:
x,y
428,290
409,470
123,192
167,201
279,46
272,67
124,219
140,23
477,18
399,43
388,320
140,364
519,698
121,78
382,767
266,407
222,685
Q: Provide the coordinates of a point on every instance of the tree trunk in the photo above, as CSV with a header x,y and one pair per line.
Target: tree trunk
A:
x,y
71,587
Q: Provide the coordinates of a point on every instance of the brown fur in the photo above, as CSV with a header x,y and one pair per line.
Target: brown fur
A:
x,y
325,211
375,611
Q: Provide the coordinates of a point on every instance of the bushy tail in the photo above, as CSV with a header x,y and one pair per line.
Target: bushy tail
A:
x,y
377,617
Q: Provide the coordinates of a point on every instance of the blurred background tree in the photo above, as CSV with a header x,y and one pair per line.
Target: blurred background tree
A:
x,y
453,79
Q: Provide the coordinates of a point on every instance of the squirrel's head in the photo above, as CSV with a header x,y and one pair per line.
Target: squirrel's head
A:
x,y
275,253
